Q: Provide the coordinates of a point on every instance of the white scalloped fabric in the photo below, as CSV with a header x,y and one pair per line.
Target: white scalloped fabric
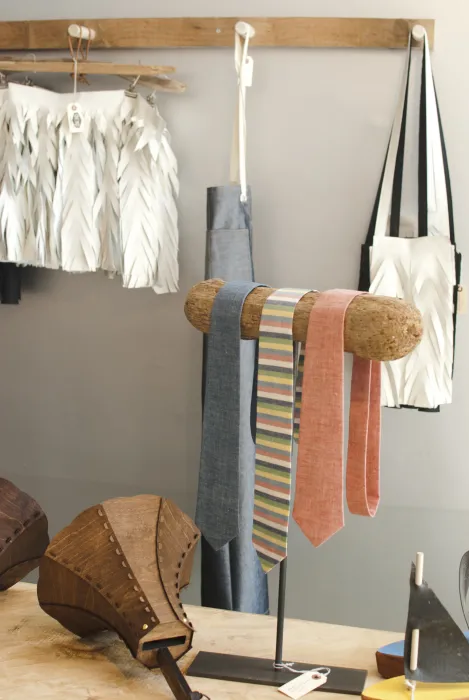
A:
x,y
101,199
421,271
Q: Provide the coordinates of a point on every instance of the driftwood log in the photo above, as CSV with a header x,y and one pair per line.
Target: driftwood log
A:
x,y
376,328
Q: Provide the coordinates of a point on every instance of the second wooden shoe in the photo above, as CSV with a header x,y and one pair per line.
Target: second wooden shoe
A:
x,y
23,534
120,565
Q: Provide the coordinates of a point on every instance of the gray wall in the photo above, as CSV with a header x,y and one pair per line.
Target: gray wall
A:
x,y
100,386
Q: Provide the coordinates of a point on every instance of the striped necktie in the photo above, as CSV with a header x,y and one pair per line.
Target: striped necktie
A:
x,y
319,509
274,428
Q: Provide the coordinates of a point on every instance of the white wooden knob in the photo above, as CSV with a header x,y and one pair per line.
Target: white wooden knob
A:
x,y
418,33
244,29
419,569
78,32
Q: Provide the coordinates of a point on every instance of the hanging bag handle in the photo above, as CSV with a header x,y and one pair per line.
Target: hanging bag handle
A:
x,y
433,180
434,185
244,68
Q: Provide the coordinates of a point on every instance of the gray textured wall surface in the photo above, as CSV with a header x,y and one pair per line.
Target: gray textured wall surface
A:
x,y
100,386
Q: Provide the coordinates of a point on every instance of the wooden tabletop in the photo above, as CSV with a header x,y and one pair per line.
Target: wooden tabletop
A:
x,y
40,659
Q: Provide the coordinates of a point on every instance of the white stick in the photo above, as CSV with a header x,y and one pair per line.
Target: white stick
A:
x,y
419,569
78,32
414,650
418,33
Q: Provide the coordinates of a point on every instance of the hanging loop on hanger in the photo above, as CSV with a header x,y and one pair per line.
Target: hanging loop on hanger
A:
x,y
244,69
80,52
131,92
75,76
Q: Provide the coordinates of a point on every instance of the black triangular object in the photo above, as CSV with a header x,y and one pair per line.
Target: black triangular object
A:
x,y
443,649
464,584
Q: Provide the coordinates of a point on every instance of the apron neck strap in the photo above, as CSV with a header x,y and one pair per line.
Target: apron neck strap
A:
x,y
244,69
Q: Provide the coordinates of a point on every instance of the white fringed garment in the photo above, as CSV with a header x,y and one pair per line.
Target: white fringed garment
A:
x,y
101,199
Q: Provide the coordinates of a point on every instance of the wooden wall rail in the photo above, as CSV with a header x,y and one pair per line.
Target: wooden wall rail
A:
x,y
376,328
309,32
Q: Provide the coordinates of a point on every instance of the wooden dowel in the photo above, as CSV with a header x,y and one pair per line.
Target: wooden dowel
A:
x,y
419,569
8,65
78,32
414,650
376,328
161,84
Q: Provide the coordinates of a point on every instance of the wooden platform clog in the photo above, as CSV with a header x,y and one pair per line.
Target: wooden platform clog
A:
x,y
23,534
120,565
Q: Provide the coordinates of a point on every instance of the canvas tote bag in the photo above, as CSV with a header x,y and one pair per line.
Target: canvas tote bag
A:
x,y
424,267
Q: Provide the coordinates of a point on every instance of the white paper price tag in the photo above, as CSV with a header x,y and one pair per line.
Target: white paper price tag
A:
x,y
302,685
76,121
248,70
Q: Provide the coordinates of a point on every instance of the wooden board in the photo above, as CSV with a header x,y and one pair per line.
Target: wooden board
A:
x,y
309,32
40,659
89,67
395,689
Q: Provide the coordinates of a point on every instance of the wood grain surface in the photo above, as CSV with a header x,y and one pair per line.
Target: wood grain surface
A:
x,y
376,328
9,65
395,689
40,659
321,32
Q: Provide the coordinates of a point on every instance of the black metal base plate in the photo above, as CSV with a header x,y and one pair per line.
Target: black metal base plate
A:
x,y
248,669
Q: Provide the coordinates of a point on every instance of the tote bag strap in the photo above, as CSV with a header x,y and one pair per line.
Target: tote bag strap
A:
x,y
392,172
244,68
434,191
435,207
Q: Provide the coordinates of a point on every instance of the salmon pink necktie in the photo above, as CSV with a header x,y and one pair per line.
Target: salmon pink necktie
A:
x,y
318,508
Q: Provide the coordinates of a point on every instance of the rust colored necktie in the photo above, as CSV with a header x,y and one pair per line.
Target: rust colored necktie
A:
x,y
364,438
319,508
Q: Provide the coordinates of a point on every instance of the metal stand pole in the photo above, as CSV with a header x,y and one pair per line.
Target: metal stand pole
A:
x,y
174,678
282,587
250,669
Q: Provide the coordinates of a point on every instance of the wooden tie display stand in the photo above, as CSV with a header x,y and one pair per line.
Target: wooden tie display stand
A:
x,y
376,328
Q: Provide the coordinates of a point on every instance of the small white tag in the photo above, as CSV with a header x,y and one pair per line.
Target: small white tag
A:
x,y
248,69
302,685
462,300
75,118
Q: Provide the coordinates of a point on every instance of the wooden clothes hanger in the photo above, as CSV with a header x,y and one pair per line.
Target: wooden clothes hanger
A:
x,y
79,40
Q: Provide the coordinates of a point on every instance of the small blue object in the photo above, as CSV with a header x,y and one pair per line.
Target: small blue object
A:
x,y
397,648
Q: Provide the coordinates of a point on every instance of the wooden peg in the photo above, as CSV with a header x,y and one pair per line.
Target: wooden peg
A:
x,y
419,569
414,650
376,328
78,32
418,33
